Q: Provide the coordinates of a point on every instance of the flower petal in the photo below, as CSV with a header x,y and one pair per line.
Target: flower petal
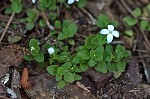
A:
x,y
33,1
77,0
115,33
51,50
110,27
104,31
70,1
109,38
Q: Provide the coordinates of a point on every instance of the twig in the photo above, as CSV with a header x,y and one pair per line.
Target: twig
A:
x,y
127,7
141,50
93,20
145,38
147,47
5,18
46,21
120,6
146,71
2,8
7,25
143,56
144,18
130,11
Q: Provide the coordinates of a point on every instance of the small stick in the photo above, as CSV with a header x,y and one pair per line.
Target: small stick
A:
x,y
46,21
120,6
2,8
145,38
127,7
7,25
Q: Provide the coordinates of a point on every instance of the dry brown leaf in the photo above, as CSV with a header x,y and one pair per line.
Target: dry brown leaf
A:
x,y
24,79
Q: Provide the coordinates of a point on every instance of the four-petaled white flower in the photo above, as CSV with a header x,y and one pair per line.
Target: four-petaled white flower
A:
x,y
33,1
71,1
110,32
51,50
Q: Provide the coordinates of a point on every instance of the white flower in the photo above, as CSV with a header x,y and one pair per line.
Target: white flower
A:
x,y
51,50
32,48
33,1
72,1
110,32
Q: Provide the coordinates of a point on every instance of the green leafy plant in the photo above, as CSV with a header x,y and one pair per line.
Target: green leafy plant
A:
x,y
32,16
15,7
130,21
47,4
102,56
95,53
67,73
103,21
36,54
82,3
67,65
66,29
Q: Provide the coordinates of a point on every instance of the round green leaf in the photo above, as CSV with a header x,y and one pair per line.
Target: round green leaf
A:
x,y
72,29
66,23
137,12
42,64
66,65
101,67
61,84
14,39
69,77
84,54
117,74
92,53
46,46
82,3
76,59
29,57
8,10
33,42
78,77
39,57
42,23
57,24
111,67
52,69
83,67
144,24
60,71
58,77
130,21
61,36
92,63
103,21
29,26
121,66
35,51
52,16
129,33
16,7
